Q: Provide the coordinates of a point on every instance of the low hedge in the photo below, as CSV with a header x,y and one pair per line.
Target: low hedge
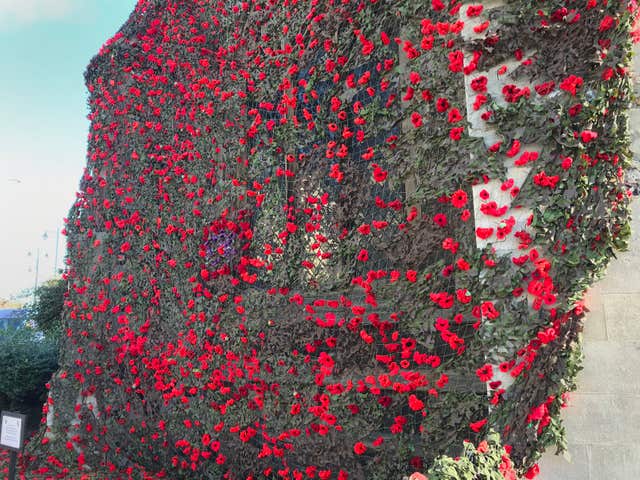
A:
x,y
28,361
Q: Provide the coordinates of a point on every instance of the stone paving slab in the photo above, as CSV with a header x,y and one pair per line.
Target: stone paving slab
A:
x,y
559,467
622,313
602,419
623,274
610,367
595,328
615,462
594,462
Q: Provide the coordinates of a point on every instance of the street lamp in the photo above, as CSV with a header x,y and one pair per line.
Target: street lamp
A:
x,y
35,283
55,260
45,236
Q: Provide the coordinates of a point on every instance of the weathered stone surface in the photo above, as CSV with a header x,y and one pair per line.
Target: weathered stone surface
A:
x,y
623,275
615,462
611,367
622,313
634,123
575,466
592,419
595,327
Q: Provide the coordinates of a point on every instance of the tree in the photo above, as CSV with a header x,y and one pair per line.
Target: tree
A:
x,y
46,311
28,361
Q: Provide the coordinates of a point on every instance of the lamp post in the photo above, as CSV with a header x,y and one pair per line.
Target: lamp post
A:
x,y
55,258
35,284
45,236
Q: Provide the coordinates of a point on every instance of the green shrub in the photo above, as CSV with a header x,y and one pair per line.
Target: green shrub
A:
x,y
28,361
46,311
487,461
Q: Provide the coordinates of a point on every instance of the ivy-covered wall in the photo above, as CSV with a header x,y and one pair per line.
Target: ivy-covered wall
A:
x,y
337,239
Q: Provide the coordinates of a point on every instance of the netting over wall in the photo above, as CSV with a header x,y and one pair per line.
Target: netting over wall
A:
x,y
287,257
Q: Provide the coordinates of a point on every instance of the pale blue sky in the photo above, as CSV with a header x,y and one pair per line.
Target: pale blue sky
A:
x,y
45,46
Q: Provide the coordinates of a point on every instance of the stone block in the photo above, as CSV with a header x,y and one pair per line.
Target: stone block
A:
x,y
634,124
595,328
610,367
592,419
627,409
602,419
615,462
559,467
623,274
622,314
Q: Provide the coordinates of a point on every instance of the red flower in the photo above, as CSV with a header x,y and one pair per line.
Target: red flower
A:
x,y
489,311
412,276
608,73
588,135
484,233
379,175
364,229
474,10
495,147
532,472
575,110
545,88
571,84
485,373
415,403
359,448
463,295
416,119
606,23
462,264
477,426
481,27
512,93
442,105
417,476
459,198
416,462
514,149
454,116
479,101
479,84
363,256
449,244
455,134
440,219
545,180
456,61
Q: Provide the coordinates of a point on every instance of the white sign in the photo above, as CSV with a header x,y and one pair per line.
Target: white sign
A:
x,y
12,430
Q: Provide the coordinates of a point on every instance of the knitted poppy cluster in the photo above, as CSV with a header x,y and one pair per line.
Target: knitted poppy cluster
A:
x,y
335,239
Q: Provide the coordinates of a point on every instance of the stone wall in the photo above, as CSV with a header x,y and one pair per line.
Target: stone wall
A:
x,y
603,417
